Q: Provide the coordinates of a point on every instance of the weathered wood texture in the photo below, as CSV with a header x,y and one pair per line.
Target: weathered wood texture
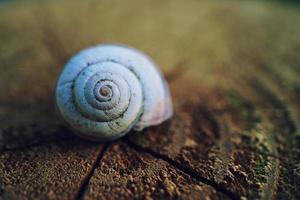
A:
x,y
233,68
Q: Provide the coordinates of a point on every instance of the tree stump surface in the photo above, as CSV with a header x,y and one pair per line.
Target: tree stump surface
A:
x,y
233,70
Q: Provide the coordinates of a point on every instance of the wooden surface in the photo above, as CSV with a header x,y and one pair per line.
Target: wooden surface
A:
x,y
233,69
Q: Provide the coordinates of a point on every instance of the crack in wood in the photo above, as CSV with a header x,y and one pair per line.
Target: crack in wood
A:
x,y
85,182
186,169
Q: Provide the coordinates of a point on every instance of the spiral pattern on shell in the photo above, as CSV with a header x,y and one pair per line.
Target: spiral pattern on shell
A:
x,y
105,91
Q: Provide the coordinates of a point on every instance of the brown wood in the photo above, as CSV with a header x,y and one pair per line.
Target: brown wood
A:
x,y
233,70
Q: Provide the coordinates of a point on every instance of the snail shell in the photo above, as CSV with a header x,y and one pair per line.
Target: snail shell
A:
x,y
105,91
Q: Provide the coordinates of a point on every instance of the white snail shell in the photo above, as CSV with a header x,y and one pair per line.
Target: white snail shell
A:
x,y
105,91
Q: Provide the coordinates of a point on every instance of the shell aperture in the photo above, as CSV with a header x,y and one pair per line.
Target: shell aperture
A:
x,y
107,90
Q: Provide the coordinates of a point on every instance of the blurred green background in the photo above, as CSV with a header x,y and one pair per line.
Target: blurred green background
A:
x,y
211,38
